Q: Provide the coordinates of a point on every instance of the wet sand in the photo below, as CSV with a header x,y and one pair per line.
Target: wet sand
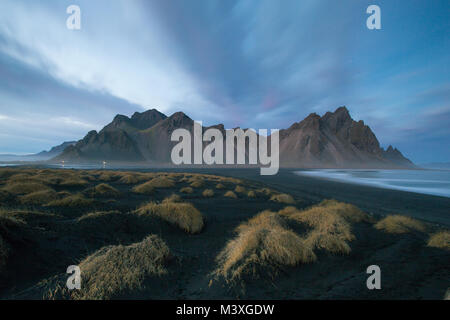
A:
x,y
370,199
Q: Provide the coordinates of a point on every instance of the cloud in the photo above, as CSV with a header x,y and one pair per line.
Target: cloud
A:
x,y
249,63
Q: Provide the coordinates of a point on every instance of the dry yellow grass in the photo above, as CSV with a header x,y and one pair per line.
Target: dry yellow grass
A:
x,y
440,240
103,190
265,191
145,188
230,194
398,224
39,197
282,198
240,189
198,183
187,190
262,244
159,182
330,231
107,176
348,211
251,194
129,179
25,187
287,211
74,182
208,193
71,201
116,270
173,198
182,214
220,186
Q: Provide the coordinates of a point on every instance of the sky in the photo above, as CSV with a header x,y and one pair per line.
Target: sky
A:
x,y
249,63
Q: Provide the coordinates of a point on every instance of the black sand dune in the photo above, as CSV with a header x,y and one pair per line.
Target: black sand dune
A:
x,y
130,249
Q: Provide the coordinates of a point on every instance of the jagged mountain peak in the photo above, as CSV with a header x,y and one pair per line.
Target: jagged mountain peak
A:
x,y
331,140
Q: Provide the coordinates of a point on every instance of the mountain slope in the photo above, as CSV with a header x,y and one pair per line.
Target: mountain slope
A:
x,y
333,140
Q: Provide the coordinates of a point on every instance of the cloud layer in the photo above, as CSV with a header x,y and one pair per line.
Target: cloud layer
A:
x,y
250,63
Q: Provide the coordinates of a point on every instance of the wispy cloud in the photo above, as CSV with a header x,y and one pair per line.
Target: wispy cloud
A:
x,y
250,63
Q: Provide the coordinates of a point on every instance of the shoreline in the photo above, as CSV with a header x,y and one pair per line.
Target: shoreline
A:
x,y
434,209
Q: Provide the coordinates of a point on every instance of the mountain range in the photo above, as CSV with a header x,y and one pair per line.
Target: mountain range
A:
x,y
333,140
41,156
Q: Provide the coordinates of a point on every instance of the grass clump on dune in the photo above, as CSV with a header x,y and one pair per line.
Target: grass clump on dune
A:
x,y
230,194
265,191
220,186
158,182
173,198
145,188
39,197
129,179
329,230
116,270
282,198
103,190
239,189
262,244
398,224
181,214
71,201
208,193
348,211
197,183
25,187
440,240
188,190
73,182
251,194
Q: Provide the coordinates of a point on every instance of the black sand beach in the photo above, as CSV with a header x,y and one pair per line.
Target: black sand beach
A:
x,y
371,199
82,220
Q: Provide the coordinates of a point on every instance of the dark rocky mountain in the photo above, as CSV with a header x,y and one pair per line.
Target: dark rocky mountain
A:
x,y
333,140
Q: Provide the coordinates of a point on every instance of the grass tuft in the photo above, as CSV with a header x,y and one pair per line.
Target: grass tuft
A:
x,y
330,231
71,201
188,190
230,194
19,188
173,198
398,224
115,270
440,240
262,244
103,190
251,194
39,197
158,182
282,198
208,193
181,214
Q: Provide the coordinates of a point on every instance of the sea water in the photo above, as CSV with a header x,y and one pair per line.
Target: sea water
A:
x,y
434,182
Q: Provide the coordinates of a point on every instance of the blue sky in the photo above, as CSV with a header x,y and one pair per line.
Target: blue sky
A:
x,y
255,63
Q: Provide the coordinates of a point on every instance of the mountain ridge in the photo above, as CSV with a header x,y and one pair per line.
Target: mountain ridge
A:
x,y
333,140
